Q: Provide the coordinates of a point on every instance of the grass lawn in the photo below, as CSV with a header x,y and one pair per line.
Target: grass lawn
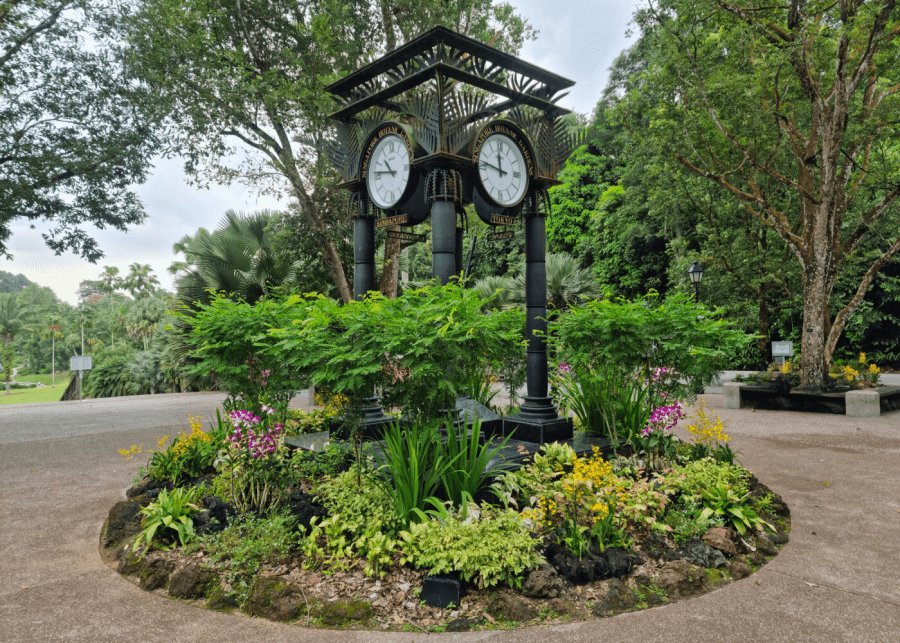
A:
x,y
40,394
45,378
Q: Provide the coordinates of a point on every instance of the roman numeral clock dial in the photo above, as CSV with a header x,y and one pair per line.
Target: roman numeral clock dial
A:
x,y
501,169
388,172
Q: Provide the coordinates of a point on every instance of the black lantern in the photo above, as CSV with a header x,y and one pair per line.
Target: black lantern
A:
x,y
695,272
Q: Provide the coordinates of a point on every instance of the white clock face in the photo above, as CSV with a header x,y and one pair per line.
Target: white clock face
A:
x,y
388,173
501,167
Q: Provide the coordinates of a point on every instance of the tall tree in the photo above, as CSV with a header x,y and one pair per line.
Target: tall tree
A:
x,y
13,318
140,280
792,110
76,129
249,75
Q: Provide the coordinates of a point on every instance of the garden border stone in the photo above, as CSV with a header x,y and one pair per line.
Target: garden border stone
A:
x,y
863,403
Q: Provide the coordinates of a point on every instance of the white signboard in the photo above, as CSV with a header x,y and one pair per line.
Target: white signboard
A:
x,y
782,349
80,363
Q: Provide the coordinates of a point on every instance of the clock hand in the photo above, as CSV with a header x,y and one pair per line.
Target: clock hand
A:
x,y
493,167
500,164
388,166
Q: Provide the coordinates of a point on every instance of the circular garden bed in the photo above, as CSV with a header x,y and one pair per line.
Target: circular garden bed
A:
x,y
324,540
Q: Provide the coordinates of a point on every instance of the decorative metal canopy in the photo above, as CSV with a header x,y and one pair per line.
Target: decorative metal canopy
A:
x,y
443,120
442,51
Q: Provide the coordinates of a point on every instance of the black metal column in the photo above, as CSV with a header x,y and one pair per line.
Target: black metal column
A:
x,y
537,420
363,256
443,188
443,241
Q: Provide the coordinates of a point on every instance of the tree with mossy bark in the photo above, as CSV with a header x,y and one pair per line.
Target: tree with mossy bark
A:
x,y
791,109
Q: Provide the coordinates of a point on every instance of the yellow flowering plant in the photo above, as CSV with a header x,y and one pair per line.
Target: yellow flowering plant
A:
x,y
865,374
579,500
708,432
189,455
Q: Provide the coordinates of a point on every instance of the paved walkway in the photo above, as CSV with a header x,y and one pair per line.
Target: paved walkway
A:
x,y
837,580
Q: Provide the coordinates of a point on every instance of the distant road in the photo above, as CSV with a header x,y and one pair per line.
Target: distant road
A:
x,y
29,422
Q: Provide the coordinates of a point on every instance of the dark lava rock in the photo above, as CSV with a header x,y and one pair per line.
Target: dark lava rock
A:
x,y
219,599
764,545
305,507
155,574
618,598
656,547
514,608
543,582
614,562
559,606
274,599
128,562
699,553
779,538
680,579
188,582
463,624
124,521
147,484
214,516
723,539
739,569
344,612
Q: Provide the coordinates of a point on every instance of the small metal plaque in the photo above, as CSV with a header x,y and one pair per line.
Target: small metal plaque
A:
x,y
500,219
80,363
384,222
406,237
782,349
499,236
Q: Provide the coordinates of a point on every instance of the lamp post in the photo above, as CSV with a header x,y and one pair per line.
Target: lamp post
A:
x,y
695,272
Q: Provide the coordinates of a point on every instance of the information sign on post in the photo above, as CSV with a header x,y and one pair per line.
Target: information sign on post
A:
x,y
782,350
80,363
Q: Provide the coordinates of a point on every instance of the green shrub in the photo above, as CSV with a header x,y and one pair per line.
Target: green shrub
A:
x,y
189,455
695,476
246,544
328,462
487,549
169,518
684,519
469,472
360,503
412,464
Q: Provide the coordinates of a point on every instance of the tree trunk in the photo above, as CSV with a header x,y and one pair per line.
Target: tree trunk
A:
x,y
816,293
390,269
762,343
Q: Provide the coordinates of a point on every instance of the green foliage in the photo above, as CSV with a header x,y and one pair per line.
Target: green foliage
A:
x,y
685,521
411,466
246,544
418,347
641,336
360,502
469,472
491,548
231,343
77,129
696,476
722,502
169,518
325,463
301,422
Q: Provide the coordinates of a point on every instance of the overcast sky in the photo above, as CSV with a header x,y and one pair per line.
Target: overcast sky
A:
x,y
578,39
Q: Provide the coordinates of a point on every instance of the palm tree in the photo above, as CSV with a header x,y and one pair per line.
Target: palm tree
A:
x,y
236,258
140,281
111,283
12,322
55,331
567,283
